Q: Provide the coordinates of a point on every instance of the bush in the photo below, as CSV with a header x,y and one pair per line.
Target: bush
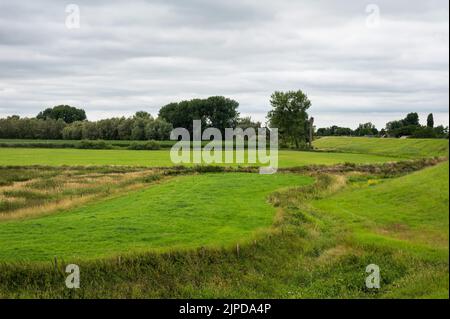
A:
x,y
38,145
151,178
424,132
150,145
94,145
302,146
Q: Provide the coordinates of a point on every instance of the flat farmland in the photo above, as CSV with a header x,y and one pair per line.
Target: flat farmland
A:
x,y
161,158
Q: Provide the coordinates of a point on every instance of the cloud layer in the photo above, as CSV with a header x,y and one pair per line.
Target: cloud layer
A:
x,y
133,55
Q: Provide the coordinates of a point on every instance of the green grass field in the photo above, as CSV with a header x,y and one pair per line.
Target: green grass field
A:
x,y
408,215
406,148
299,236
74,157
413,208
185,212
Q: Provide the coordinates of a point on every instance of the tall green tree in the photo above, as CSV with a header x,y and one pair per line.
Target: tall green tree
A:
x,y
73,131
143,115
366,129
430,120
140,121
220,112
124,128
158,129
335,131
247,122
66,113
411,119
215,111
405,127
289,115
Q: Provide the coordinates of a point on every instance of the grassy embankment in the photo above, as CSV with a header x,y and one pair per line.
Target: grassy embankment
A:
x,y
394,147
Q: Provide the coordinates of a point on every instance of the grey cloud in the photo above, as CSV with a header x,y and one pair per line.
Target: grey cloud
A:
x,y
142,54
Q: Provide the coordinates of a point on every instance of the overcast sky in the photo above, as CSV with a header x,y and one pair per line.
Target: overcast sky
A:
x,y
355,65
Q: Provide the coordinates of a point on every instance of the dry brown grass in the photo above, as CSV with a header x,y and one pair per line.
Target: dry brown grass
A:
x,y
43,194
332,254
424,236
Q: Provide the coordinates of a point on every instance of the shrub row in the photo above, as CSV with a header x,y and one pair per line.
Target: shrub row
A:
x,y
151,145
88,144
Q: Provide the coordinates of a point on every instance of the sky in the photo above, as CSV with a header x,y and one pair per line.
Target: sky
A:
x,y
358,61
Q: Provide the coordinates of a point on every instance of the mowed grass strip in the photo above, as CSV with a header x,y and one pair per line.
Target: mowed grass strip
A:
x,y
406,148
74,157
184,212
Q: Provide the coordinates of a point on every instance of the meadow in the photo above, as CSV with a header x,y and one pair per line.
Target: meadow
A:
x,y
183,212
161,158
138,231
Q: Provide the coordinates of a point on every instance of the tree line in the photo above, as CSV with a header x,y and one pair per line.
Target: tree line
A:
x,y
142,126
409,126
70,123
288,113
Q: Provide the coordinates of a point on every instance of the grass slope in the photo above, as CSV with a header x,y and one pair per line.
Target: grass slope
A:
x,y
414,207
407,148
184,212
57,157
409,215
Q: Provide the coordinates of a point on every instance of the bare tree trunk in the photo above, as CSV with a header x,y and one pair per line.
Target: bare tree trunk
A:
x,y
311,131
